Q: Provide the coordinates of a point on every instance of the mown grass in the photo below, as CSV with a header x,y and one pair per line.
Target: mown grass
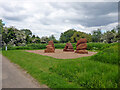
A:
x,y
0,51
66,73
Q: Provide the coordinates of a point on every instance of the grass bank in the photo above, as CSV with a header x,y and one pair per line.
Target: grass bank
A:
x,y
66,73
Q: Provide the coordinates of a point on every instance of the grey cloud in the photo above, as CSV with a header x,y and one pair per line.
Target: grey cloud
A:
x,y
14,18
51,17
98,11
9,8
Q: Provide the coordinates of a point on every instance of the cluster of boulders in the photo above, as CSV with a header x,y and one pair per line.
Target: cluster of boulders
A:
x,y
50,47
81,47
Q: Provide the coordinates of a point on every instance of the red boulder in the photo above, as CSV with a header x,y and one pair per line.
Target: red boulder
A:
x,y
68,47
50,47
81,46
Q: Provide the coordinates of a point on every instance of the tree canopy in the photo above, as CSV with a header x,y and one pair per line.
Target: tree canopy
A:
x,y
27,32
77,35
66,36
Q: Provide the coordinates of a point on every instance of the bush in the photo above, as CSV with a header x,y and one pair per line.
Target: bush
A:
x,y
59,45
90,46
108,55
37,46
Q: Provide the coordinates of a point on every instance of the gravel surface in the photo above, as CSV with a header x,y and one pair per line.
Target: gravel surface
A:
x,y
61,55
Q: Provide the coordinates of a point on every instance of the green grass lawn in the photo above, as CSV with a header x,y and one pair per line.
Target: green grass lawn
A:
x,y
66,73
0,52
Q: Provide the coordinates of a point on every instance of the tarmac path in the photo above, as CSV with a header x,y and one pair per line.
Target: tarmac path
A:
x,y
14,77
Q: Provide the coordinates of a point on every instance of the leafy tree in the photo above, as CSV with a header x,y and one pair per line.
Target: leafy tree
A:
x,y
1,27
28,39
52,37
96,35
8,34
13,36
109,36
118,33
27,32
77,35
44,39
66,36
33,36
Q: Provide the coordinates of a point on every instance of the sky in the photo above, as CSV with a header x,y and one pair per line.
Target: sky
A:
x,y
45,18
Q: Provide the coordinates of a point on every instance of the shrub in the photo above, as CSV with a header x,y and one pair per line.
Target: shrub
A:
x,y
90,46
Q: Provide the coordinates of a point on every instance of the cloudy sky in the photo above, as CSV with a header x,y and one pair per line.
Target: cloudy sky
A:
x,y
47,18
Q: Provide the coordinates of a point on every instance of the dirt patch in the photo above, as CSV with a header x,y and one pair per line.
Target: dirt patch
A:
x,y
61,55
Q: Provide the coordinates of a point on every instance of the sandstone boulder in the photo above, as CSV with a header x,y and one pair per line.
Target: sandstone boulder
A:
x,y
81,46
82,40
81,51
51,43
68,47
50,47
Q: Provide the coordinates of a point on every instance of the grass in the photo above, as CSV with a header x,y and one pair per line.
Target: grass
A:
x,y
66,73
0,51
108,55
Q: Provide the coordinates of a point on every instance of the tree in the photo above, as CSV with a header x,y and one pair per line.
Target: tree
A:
x,y
66,36
96,35
33,36
13,36
27,32
118,33
37,40
109,36
1,27
52,37
8,34
44,39
77,35
28,39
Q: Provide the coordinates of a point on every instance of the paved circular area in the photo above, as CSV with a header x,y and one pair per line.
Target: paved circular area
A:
x,y
61,55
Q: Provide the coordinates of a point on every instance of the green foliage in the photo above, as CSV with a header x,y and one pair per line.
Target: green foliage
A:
x,y
27,32
77,35
44,39
108,55
110,36
97,46
87,73
28,39
37,46
33,36
52,37
59,45
66,36
1,27
66,73
96,35
90,46
8,34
